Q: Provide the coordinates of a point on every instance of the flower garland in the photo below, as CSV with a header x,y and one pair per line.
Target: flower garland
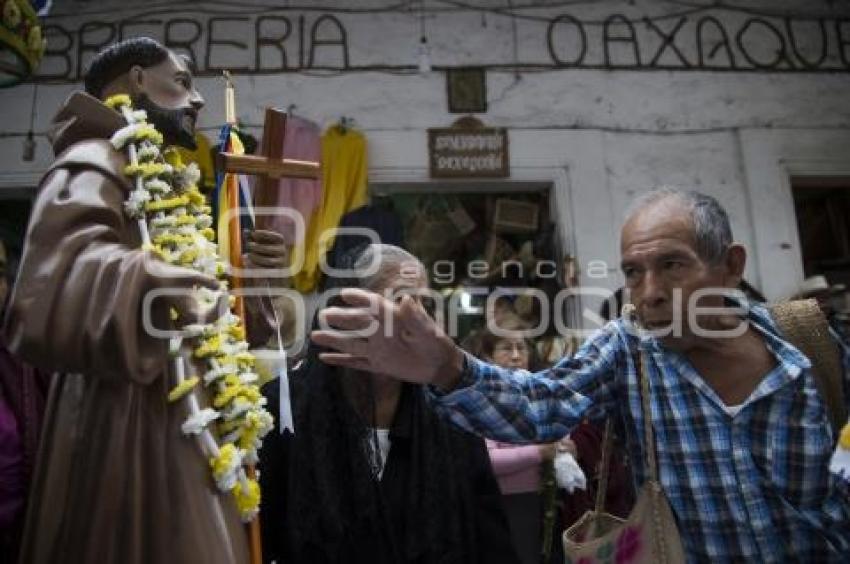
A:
x,y
175,224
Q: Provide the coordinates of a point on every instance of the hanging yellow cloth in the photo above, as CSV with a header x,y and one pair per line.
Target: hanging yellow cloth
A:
x,y
343,189
227,237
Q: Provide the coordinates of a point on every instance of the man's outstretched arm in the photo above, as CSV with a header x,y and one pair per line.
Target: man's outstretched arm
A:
x,y
400,340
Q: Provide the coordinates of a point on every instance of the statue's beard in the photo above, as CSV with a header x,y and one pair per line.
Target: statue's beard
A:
x,y
177,126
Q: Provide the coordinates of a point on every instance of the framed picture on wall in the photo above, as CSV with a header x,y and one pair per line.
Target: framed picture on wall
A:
x,y
467,90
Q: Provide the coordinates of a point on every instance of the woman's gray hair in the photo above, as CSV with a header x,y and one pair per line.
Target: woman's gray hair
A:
x,y
712,231
379,263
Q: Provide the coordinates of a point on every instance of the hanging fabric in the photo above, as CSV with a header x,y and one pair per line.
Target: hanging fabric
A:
x,y
301,141
344,169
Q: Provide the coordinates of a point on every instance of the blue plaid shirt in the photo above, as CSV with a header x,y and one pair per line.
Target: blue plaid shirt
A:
x,y
752,487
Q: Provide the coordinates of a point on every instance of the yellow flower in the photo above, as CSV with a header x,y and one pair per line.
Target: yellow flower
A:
x,y
225,396
250,393
247,499
172,157
209,347
150,133
246,360
247,438
237,332
225,466
185,219
188,256
182,389
147,170
11,14
155,249
170,203
227,426
844,437
209,233
195,197
173,239
173,314
118,101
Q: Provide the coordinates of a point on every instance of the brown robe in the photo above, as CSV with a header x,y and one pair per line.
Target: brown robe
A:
x,y
116,480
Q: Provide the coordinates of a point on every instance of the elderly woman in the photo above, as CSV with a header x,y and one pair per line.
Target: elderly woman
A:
x,y
372,474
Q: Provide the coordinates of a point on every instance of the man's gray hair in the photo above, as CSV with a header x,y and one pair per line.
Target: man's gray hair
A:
x,y
390,260
712,231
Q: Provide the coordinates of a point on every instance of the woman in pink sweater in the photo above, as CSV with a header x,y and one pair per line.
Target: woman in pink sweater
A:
x,y
518,468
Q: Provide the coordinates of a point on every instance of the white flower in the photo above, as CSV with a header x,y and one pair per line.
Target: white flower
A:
x,y
202,221
164,222
192,173
198,421
840,463
216,373
234,347
189,176
135,204
124,135
237,407
147,152
157,186
139,116
248,377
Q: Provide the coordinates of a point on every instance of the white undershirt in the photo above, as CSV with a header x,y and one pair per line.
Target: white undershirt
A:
x,y
383,448
733,410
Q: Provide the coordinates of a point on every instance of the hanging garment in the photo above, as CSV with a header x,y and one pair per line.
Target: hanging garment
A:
x,y
344,188
301,141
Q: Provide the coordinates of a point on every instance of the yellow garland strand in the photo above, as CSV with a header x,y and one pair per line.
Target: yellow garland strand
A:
x,y
118,101
182,389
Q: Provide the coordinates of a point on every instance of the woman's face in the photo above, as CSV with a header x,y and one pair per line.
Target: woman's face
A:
x,y
511,353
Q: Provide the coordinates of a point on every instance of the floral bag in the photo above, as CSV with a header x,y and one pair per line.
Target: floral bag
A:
x,y
649,535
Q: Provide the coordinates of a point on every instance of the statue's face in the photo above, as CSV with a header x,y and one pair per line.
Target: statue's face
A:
x,y
166,92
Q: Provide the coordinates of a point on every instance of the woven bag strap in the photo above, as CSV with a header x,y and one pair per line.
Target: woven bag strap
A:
x,y
604,466
804,325
646,409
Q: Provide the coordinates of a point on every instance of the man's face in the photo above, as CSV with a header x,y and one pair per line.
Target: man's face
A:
x,y
663,270
4,284
166,92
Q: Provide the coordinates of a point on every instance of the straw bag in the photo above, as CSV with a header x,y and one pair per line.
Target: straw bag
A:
x,y
649,535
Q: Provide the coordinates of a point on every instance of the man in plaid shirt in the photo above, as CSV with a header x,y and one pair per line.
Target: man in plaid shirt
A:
x,y
742,434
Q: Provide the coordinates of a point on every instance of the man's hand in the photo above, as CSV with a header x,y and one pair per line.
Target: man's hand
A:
x,y
398,340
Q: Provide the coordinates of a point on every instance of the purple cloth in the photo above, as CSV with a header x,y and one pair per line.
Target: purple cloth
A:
x,y
23,393
12,486
301,141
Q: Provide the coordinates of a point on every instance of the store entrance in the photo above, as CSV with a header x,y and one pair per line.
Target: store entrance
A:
x,y
479,237
822,206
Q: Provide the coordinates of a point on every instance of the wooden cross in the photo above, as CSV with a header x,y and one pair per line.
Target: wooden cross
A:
x,y
269,166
